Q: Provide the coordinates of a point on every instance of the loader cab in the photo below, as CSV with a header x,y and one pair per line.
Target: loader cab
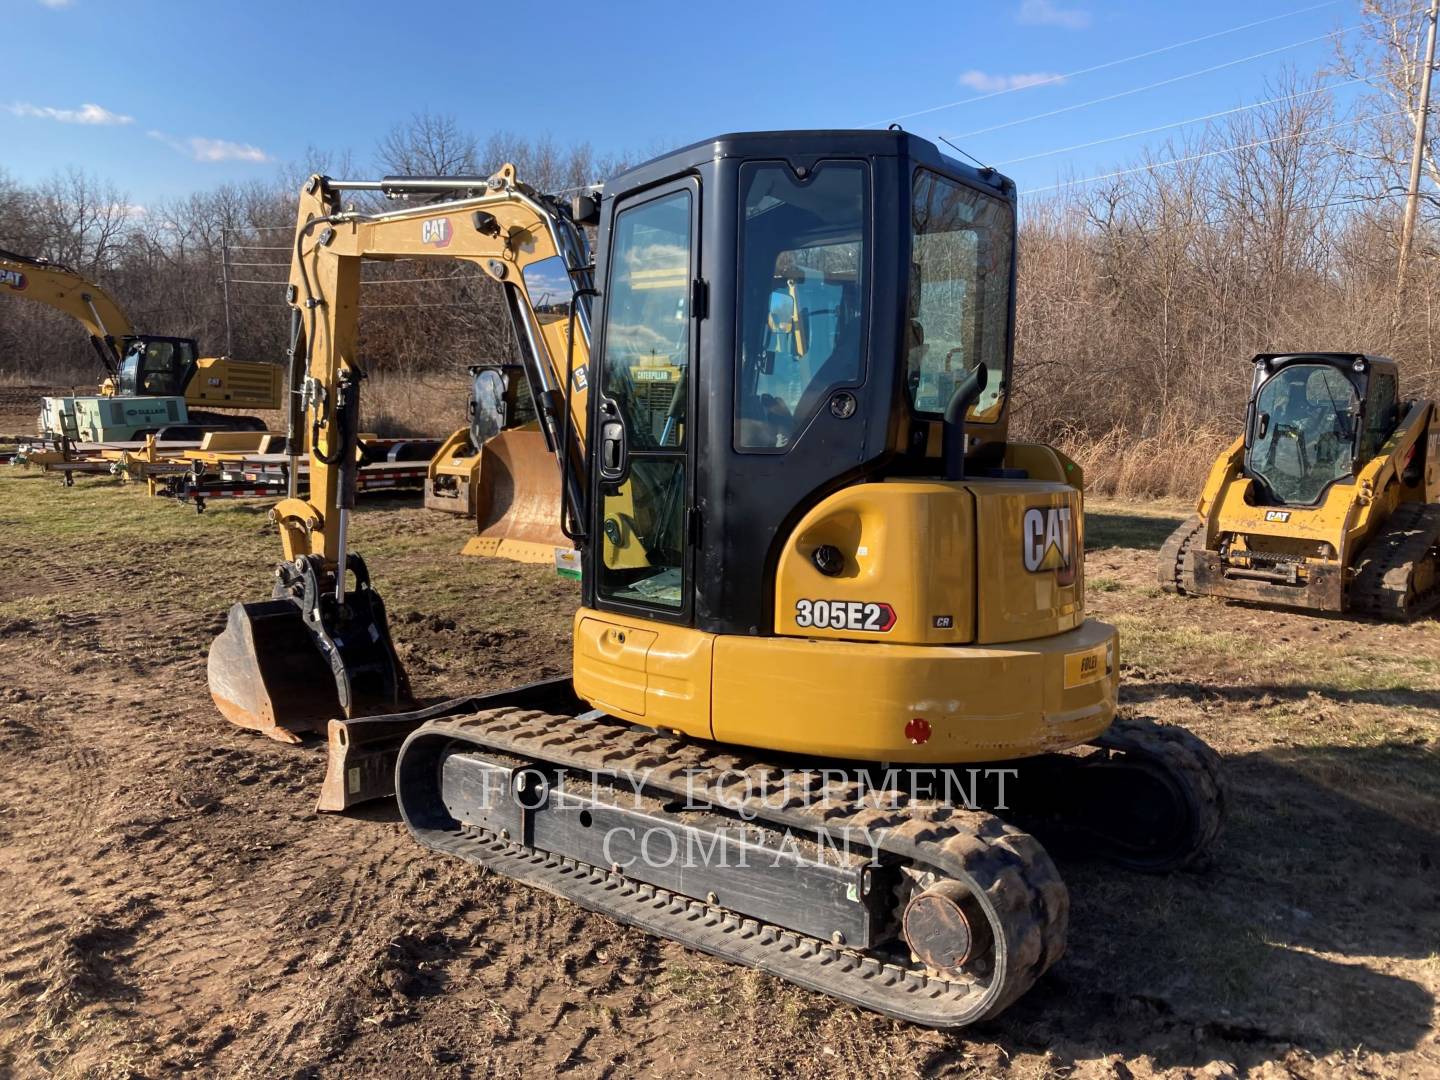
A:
x,y
782,314
1315,420
157,367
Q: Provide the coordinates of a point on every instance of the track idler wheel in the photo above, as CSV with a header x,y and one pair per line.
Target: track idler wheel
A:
x,y
947,929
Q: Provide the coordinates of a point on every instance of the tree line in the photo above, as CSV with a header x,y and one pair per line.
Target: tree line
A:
x,y
1141,295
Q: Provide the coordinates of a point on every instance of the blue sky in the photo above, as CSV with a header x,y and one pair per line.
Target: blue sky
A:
x,y
164,97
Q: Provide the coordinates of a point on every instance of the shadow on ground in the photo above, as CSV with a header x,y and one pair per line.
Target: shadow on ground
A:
x,y
1108,530
1223,964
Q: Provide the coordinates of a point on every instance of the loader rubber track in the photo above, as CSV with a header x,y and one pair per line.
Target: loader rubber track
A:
x,y
1384,577
1171,571
1193,768
1025,901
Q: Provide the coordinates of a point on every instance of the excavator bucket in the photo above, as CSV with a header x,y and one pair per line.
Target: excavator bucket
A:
x,y
266,673
518,499
289,665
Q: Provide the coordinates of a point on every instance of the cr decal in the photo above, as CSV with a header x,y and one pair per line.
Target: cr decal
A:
x,y
14,278
436,232
1048,541
844,615
1277,515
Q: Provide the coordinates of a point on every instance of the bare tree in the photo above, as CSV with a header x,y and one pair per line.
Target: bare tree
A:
x,y
429,144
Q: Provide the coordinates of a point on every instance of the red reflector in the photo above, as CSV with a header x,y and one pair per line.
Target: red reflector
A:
x,y
918,730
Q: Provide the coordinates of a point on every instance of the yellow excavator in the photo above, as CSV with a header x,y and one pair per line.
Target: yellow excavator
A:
x,y
1328,500
832,673
151,383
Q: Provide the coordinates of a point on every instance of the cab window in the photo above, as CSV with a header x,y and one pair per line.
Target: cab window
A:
x,y
1381,413
802,296
959,313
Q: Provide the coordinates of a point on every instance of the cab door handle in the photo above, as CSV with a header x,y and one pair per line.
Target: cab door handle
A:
x,y
614,447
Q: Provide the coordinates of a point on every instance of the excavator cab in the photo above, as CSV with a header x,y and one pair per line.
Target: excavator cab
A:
x,y
156,366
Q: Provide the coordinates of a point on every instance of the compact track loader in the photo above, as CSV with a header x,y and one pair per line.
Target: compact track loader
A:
x,y
1327,502
829,610
152,384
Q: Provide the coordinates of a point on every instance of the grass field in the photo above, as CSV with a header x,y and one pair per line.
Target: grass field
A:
x,y
169,901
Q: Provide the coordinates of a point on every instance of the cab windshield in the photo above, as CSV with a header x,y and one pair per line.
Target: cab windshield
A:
x,y
1304,432
959,311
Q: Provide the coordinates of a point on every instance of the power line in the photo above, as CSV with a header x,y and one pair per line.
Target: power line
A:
x,y
1155,85
1207,154
1107,64
1178,123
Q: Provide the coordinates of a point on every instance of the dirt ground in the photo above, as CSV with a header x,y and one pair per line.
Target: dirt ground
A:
x,y
170,902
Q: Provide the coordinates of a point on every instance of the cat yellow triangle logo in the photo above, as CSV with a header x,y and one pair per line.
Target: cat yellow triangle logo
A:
x,y
1054,558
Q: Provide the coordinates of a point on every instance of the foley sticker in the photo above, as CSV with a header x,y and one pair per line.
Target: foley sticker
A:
x,y
845,615
1083,668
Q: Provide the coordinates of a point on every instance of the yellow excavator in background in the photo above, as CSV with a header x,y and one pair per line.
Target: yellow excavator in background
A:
x,y
151,383
827,605
1326,502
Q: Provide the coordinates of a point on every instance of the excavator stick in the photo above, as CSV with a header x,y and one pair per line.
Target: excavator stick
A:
x,y
518,499
289,665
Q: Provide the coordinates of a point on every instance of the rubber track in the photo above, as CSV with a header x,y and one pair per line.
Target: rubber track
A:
x,y
1382,579
1191,763
1006,868
1170,570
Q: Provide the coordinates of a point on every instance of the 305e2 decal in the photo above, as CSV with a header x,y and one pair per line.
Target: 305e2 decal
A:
x,y
844,615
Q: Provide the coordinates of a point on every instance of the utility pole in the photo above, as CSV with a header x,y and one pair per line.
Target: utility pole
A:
x,y
225,263
1422,118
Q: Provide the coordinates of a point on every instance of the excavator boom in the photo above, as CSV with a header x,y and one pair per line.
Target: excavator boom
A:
x,y
65,290
261,674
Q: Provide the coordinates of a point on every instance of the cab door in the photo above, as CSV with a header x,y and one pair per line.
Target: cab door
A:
x,y
635,653
643,439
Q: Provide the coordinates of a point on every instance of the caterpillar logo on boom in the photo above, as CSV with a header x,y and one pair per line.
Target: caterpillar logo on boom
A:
x,y
14,278
435,232
1048,541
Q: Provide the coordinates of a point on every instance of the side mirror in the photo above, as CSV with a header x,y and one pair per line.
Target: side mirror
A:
x,y
585,209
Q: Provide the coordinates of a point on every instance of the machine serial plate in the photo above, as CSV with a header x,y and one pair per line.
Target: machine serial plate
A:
x,y
1083,668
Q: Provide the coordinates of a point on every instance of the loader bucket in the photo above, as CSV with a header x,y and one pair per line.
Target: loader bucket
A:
x,y
518,499
266,673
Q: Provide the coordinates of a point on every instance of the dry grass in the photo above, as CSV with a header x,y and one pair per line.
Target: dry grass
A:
x,y
1170,457
84,377
430,404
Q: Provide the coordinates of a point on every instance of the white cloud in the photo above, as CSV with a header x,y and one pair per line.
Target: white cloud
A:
x,y
57,3
86,114
1049,13
203,149
987,83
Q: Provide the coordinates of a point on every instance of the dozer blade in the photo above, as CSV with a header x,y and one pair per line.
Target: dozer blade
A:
x,y
266,673
362,753
288,665
518,500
